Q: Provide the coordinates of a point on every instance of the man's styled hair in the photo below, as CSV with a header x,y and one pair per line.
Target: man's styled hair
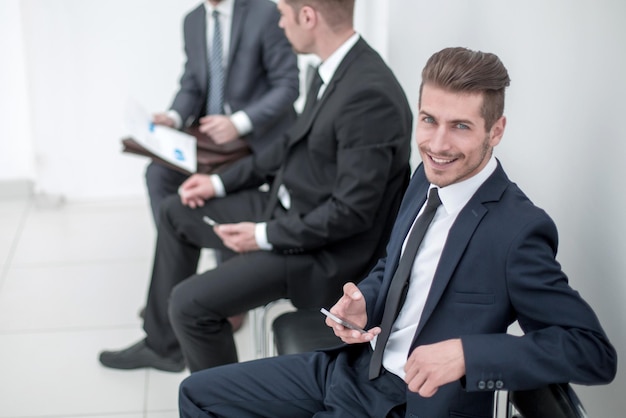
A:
x,y
337,13
462,70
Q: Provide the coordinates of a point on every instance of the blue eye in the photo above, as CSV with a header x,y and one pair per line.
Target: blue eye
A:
x,y
462,126
428,119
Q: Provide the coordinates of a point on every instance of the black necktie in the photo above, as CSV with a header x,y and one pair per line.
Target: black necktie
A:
x,y
401,278
311,97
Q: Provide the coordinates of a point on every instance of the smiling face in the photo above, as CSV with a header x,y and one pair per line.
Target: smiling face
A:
x,y
451,135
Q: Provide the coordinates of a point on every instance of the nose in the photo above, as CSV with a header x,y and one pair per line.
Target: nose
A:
x,y
439,141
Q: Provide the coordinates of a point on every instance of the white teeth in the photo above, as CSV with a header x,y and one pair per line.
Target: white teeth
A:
x,y
440,161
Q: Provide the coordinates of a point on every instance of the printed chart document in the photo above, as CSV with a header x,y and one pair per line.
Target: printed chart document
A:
x,y
170,145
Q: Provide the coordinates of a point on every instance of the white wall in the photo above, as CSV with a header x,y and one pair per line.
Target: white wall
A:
x,y
68,66
16,152
83,59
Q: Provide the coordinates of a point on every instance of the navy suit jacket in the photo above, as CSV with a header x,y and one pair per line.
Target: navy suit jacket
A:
x,y
261,77
498,265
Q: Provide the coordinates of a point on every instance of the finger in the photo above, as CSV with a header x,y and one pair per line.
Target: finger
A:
x,y
415,383
352,291
428,389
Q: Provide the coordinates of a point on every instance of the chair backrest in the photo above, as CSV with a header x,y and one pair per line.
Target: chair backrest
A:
x,y
553,401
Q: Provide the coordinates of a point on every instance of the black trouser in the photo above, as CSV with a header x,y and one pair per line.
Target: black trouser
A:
x,y
198,304
161,182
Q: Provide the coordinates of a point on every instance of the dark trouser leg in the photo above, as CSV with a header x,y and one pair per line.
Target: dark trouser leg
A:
x,y
161,182
317,384
200,305
181,235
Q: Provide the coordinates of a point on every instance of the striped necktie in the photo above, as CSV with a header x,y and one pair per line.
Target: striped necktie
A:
x,y
215,103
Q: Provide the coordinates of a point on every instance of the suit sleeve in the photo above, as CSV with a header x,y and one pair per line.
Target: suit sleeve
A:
x,y
563,340
190,96
281,68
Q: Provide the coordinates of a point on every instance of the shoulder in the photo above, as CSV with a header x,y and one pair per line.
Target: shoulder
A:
x,y
261,9
195,15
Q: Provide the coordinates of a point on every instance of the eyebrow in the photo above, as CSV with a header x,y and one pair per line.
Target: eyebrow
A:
x,y
452,122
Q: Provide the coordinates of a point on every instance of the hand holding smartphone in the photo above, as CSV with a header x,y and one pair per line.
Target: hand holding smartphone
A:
x,y
342,321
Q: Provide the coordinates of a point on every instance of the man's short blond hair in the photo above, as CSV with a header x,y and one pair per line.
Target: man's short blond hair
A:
x,y
337,13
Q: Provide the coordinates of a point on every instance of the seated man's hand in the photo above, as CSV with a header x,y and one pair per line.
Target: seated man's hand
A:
x,y
219,127
238,237
434,365
163,119
351,307
195,190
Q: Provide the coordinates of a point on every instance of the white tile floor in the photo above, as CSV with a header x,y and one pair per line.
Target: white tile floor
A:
x,y
72,279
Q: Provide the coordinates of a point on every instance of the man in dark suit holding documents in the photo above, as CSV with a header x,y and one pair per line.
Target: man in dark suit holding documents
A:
x,y
240,81
336,179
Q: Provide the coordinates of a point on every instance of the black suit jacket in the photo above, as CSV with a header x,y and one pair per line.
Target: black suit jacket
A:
x,y
262,73
346,169
498,266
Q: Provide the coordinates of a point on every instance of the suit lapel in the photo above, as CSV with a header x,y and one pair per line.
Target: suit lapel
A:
x,y
239,12
301,126
459,237
199,20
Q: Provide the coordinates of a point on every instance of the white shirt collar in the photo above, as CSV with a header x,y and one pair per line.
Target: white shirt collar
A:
x,y
329,66
225,7
455,196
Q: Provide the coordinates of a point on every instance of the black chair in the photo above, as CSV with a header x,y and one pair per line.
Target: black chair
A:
x,y
301,331
552,401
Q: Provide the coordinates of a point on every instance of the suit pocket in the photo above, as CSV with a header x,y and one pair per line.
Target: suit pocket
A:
x,y
474,298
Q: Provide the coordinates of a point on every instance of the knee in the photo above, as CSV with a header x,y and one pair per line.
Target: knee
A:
x,y
188,394
189,315
168,205
178,303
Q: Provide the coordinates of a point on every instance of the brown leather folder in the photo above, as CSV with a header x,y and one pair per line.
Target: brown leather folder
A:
x,y
212,157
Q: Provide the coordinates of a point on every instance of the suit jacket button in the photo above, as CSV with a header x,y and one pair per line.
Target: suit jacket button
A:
x,y
481,385
490,384
499,384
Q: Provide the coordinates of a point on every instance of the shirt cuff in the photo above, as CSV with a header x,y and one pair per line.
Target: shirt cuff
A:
x,y
260,234
242,122
218,186
178,121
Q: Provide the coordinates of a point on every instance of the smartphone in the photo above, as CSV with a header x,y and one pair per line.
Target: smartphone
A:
x,y
209,221
342,321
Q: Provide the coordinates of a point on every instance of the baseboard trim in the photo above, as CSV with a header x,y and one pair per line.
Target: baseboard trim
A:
x,y
16,189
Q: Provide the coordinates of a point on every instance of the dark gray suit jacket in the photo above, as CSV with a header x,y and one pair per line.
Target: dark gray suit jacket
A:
x,y
498,265
262,74
346,169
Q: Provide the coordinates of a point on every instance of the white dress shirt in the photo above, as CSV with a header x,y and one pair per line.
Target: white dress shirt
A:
x,y
240,119
453,199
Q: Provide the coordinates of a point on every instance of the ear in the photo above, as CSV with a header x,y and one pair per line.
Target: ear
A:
x,y
497,131
308,16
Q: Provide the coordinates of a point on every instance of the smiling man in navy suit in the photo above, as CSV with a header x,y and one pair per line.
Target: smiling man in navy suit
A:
x,y
486,260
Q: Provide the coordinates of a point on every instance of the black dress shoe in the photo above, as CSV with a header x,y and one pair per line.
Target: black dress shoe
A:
x,y
138,356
